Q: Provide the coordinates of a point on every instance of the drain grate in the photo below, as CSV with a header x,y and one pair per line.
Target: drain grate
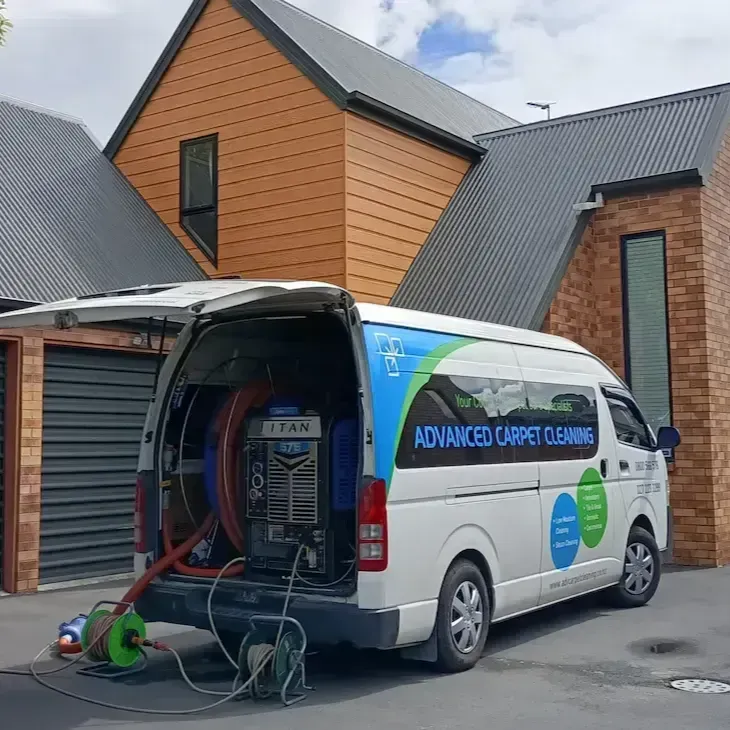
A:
x,y
700,686
665,647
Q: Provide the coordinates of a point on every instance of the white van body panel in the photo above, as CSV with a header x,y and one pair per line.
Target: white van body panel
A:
x,y
543,530
504,512
178,301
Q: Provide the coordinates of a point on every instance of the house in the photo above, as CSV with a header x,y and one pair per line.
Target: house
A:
x,y
72,404
281,134
612,228
267,144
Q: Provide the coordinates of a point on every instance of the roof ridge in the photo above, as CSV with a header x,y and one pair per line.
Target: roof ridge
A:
x,y
30,106
383,53
607,111
38,109
145,91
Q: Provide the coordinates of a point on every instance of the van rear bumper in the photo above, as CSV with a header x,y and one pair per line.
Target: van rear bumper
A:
x,y
326,622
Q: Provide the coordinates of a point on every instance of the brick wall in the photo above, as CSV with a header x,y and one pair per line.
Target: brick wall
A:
x,y
573,312
715,210
695,226
24,439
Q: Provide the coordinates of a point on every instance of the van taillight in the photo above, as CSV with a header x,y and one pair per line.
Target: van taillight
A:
x,y
372,528
139,516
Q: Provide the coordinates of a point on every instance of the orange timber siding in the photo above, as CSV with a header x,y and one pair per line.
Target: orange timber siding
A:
x,y
280,146
305,190
397,187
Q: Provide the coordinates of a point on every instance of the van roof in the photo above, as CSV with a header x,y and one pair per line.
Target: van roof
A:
x,y
397,317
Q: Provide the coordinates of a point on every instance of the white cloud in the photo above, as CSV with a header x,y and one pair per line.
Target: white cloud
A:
x,y
88,57
600,55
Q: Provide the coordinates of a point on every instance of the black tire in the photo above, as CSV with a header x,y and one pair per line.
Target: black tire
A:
x,y
624,594
450,658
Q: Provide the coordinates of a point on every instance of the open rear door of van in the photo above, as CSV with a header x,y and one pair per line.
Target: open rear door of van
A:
x,y
179,302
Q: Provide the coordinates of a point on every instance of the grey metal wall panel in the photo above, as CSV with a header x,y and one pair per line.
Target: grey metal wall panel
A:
x,y
71,224
500,249
94,407
2,454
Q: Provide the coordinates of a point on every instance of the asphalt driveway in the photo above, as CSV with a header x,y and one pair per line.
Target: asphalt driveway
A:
x,y
574,667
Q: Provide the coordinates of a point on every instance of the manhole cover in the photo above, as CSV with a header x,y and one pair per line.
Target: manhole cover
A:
x,y
663,646
700,686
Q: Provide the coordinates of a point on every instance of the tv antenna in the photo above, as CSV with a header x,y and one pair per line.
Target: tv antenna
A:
x,y
544,105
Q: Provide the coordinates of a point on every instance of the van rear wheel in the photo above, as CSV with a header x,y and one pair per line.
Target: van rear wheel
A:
x,y
641,574
462,621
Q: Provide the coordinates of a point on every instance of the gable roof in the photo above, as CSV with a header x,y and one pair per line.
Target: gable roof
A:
x,y
71,224
353,74
502,246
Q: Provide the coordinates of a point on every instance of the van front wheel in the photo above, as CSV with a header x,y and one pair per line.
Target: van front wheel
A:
x,y
462,621
641,574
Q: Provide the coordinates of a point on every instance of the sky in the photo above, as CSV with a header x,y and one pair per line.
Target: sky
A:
x,y
88,58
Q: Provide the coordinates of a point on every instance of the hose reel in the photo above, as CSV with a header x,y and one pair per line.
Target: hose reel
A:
x,y
114,642
285,670
270,658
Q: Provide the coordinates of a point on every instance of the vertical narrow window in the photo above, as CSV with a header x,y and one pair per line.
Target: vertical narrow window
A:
x,y
199,193
646,339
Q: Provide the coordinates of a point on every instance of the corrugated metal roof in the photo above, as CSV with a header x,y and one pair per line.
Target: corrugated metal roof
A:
x,y
71,224
502,246
358,67
353,74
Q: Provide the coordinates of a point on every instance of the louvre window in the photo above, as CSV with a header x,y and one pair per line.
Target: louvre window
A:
x,y
646,326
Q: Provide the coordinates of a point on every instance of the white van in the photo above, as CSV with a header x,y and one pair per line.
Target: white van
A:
x,y
428,475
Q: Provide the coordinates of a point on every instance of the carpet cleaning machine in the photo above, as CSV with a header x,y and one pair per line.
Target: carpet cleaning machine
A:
x,y
276,475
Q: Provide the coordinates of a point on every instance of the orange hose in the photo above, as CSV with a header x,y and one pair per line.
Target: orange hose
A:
x,y
163,564
228,457
181,567
255,394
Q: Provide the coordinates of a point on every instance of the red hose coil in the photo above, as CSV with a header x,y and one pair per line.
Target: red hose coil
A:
x,y
229,421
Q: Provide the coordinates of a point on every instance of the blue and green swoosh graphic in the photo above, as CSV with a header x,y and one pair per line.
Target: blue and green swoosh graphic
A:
x,y
401,360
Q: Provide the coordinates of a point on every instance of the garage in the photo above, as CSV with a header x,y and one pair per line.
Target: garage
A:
x,y
94,407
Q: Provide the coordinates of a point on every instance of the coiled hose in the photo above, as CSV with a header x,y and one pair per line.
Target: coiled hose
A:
x,y
256,661
232,415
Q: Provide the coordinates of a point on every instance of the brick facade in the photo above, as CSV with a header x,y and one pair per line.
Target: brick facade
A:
x,y
588,309
24,439
715,214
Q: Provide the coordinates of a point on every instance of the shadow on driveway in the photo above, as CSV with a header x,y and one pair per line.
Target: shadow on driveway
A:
x,y
338,676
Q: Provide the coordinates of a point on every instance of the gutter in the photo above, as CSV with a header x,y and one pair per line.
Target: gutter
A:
x,y
366,106
678,178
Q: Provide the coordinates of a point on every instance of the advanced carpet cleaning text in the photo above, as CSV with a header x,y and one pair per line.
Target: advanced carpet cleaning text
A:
x,y
484,436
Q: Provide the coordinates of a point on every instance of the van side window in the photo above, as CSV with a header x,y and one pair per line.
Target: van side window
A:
x,y
631,429
568,418
458,421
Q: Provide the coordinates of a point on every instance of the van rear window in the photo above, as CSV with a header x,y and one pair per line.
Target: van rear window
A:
x,y
457,421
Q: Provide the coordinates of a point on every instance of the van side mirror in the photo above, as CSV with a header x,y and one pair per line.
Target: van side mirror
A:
x,y
668,438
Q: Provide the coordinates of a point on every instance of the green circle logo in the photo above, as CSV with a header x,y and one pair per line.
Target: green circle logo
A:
x,y
592,508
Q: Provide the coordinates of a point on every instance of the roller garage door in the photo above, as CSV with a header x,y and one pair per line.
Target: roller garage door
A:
x,y
94,407
2,455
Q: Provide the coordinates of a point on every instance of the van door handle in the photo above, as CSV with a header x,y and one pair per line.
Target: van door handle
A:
x,y
624,466
604,467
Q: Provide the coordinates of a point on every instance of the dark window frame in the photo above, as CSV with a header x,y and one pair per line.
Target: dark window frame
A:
x,y
210,253
630,404
625,242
